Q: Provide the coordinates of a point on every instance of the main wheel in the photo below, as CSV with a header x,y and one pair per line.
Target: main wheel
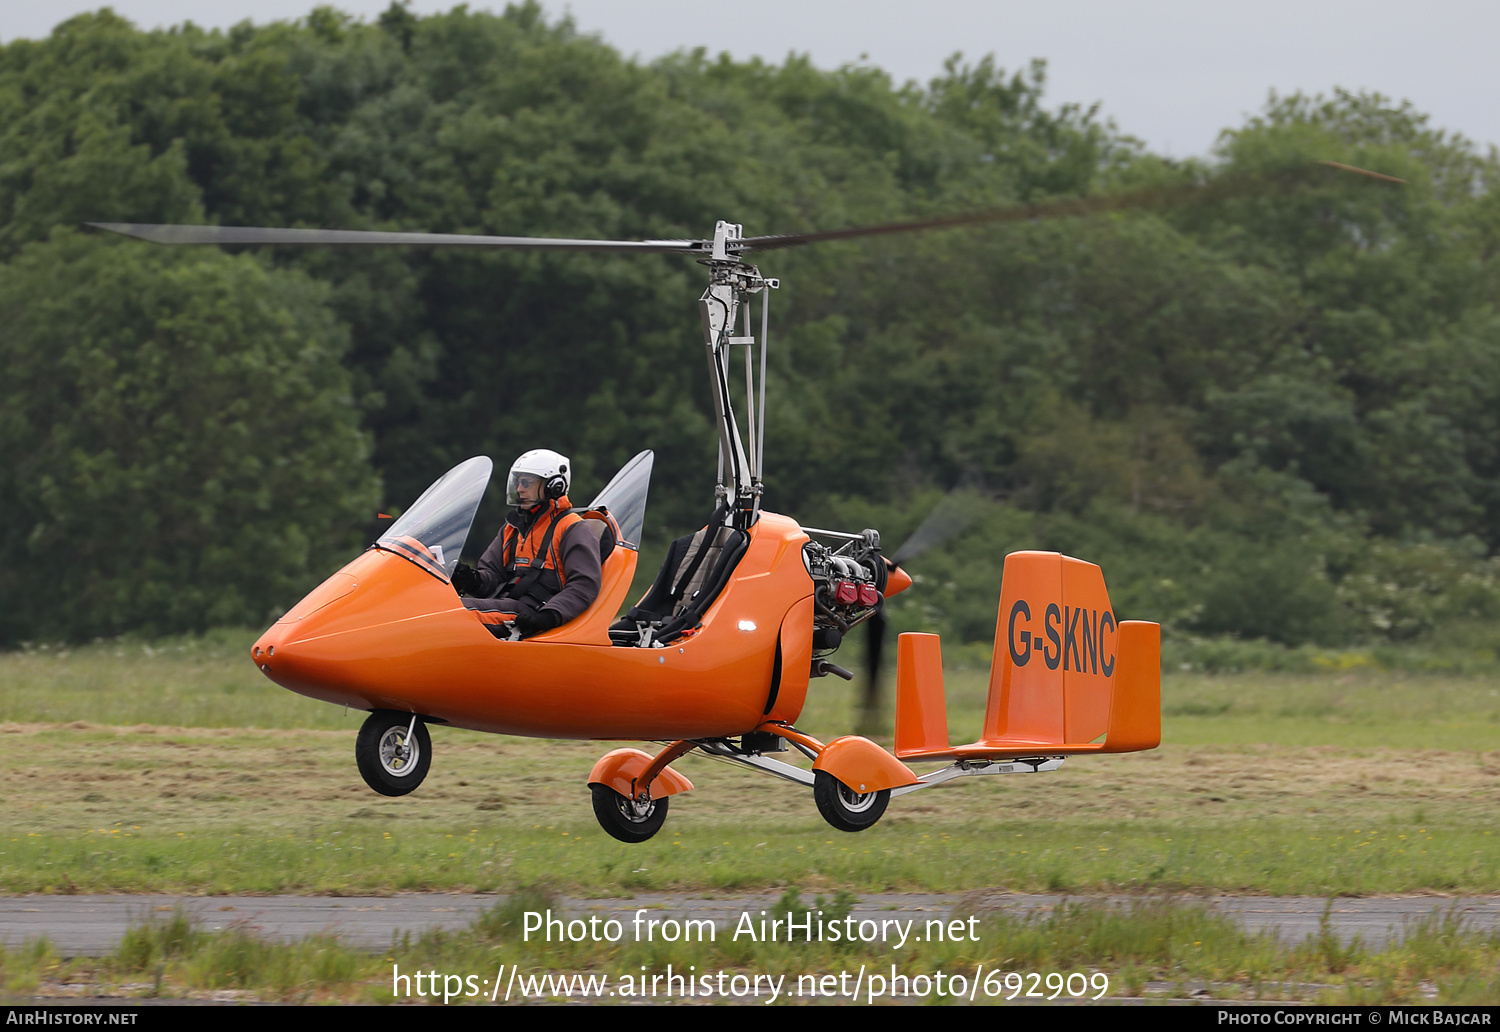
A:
x,y
626,820
844,808
390,761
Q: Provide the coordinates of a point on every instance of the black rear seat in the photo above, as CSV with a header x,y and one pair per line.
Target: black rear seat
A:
x,y
695,572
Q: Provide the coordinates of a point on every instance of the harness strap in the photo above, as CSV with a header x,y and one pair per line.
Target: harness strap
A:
x,y
523,583
685,575
685,578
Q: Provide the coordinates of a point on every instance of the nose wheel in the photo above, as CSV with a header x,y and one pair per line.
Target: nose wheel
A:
x,y
393,751
627,819
843,807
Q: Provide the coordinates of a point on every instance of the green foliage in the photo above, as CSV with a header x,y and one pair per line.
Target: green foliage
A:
x,y
182,451
146,945
1274,414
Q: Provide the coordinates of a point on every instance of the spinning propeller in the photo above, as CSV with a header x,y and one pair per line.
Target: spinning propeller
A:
x,y
954,513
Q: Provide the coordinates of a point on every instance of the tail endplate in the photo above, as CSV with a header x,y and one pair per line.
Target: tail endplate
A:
x,y
1067,677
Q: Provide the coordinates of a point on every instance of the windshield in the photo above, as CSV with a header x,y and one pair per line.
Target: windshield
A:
x,y
625,498
433,531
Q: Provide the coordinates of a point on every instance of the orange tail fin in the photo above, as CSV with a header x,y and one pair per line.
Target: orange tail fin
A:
x,y
1066,677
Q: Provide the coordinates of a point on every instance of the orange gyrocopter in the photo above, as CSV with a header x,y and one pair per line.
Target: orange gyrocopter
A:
x,y
718,654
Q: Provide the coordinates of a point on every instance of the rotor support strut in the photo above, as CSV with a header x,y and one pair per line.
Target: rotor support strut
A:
x,y
732,282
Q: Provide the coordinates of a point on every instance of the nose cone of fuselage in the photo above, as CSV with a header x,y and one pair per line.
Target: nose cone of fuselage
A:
x,y
344,642
329,604
277,657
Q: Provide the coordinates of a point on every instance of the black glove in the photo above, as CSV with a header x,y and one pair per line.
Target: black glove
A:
x,y
535,621
465,579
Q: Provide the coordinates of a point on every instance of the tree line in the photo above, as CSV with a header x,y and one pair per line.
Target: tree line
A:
x,y
1269,411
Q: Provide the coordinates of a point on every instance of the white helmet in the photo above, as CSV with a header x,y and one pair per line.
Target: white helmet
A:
x,y
552,472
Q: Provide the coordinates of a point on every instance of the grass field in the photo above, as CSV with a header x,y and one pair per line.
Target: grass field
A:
x,y
176,767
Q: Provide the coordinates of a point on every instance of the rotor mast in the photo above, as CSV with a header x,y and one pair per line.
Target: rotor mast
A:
x,y
732,282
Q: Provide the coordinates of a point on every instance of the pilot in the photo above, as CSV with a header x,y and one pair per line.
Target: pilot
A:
x,y
543,566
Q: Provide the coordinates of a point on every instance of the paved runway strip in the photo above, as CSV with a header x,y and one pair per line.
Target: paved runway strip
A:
x,y
85,925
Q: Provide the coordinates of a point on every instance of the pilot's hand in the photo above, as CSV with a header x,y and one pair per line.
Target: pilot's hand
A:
x,y
465,579
536,621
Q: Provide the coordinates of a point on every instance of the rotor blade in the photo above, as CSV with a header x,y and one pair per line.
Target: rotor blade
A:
x,y
1362,171
1146,197
954,513
158,234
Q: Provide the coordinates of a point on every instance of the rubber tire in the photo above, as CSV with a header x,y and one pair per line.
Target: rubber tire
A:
x,y
829,793
608,808
367,753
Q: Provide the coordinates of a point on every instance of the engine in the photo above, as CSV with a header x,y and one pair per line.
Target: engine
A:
x,y
849,583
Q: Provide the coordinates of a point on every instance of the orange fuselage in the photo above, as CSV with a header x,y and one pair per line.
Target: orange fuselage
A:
x,y
384,633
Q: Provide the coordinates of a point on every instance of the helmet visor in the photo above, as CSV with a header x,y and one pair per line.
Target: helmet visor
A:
x,y
523,489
